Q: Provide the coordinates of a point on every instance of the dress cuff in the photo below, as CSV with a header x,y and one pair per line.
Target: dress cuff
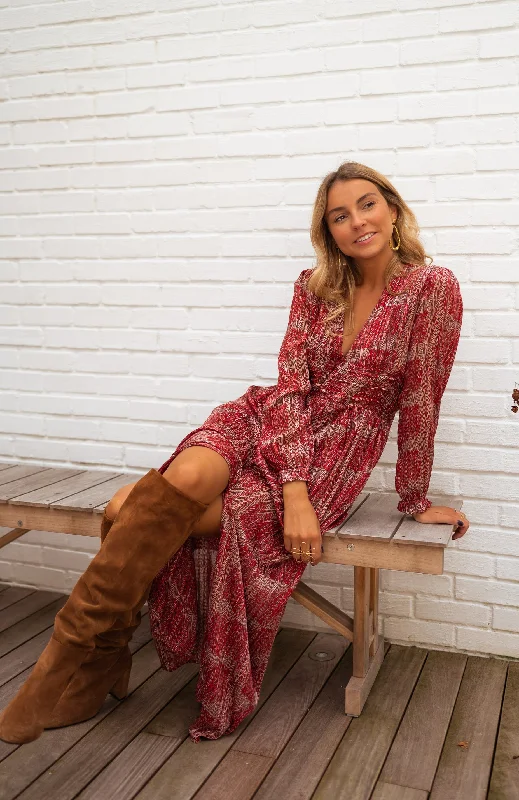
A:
x,y
287,475
414,506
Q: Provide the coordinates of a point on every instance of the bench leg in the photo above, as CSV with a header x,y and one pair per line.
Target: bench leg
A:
x,y
368,646
12,535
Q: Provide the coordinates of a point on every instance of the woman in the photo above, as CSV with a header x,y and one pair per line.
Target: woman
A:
x,y
219,536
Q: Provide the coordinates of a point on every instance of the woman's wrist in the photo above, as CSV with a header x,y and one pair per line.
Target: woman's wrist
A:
x,y
295,490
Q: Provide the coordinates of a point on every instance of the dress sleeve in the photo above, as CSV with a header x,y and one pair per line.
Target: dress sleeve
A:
x,y
432,348
287,439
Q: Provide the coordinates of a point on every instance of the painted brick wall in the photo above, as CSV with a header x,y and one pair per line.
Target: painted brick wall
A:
x,y
158,168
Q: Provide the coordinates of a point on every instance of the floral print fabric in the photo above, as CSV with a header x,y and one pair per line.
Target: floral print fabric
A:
x,y
219,601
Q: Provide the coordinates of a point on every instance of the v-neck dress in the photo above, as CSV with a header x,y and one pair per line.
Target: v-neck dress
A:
x,y
219,601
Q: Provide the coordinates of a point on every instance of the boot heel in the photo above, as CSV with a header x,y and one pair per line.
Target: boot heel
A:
x,y
120,688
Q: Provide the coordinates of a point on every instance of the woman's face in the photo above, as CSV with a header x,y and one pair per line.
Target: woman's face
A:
x,y
356,208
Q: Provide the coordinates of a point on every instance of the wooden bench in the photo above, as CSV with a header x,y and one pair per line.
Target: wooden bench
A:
x,y
374,536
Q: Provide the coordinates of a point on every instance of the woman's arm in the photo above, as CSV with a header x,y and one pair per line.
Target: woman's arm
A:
x,y
287,441
432,349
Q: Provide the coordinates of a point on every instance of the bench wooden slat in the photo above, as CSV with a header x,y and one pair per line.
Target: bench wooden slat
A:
x,y
96,497
413,532
5,465
39,480
20,471
439,535
374,519
363,496
46,496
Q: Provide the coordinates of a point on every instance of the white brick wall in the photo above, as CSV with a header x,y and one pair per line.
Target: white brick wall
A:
x,y
159,163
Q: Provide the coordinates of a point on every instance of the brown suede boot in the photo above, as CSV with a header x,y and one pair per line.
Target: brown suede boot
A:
x,y
105,670
152,524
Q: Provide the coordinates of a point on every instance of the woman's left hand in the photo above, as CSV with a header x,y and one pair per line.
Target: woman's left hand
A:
x,y
445,514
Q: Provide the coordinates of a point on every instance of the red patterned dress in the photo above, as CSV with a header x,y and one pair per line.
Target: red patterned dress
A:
x,y
219,601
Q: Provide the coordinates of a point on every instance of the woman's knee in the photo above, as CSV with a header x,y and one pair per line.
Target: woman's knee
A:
x,y
207,525
112,509
200,472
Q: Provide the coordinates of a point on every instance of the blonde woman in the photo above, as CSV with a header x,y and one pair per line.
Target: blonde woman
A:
x,y
217,538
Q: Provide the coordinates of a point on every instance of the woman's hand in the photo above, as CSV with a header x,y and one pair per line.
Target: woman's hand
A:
x,y
445,514
302,530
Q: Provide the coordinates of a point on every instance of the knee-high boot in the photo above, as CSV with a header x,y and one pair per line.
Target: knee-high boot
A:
x,y
153,522
105,670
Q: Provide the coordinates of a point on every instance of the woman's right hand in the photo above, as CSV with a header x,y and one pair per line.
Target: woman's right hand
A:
x,y
301,530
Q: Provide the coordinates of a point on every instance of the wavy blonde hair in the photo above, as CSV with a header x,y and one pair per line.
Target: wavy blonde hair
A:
x,y
336,274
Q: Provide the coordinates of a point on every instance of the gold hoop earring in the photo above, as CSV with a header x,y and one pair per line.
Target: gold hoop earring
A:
x,y
395,229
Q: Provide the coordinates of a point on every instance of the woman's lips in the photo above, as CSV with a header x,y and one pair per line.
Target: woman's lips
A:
x,y
366,241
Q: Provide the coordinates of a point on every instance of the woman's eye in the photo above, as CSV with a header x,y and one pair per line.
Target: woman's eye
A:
x,y
366,205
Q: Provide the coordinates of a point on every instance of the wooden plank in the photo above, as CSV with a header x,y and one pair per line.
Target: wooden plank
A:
x,y
271,729
282,713
464,769
354,768
26,606
241,771
131,769
416,750
12,594
382,555
84,522
11,490
324,609
504,782
11,536
375,519
20,471
30,626
387,791
362,497
429,535
85,480
298,769
5,465
189,766
96,496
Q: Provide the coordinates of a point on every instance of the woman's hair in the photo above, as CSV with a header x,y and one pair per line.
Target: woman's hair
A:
x,y
336,275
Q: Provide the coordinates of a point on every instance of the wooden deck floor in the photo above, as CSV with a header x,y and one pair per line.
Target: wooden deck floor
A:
x,y
436,725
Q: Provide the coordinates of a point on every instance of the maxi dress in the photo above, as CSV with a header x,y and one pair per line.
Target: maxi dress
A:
x,y
219,601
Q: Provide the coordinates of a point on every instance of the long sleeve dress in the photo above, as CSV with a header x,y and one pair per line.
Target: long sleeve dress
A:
x,y
219,601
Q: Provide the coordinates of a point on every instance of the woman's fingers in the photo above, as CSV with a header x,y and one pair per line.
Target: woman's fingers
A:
x,y
302,549
460,523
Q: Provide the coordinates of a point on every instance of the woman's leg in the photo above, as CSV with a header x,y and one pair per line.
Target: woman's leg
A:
x,y
152,524
201,473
